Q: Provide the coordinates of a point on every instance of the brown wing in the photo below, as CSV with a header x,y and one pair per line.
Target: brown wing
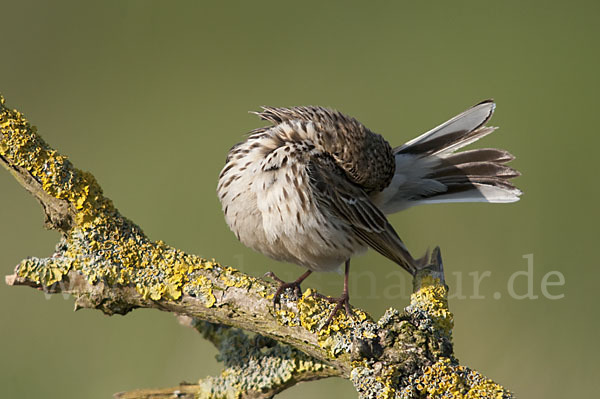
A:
x,y
349,202
365,156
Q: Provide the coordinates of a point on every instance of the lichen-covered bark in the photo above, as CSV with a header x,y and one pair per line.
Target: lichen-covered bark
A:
x,y
106,262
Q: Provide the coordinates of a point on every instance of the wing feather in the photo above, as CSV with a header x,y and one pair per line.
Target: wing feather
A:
x,y
350,203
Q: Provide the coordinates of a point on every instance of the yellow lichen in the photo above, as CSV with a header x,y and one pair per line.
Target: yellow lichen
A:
x,y
103,245
107,248
314,311
447,380
370,384
336,337
287,317
311,310
22,147
203,286
232,278
45,273
432,298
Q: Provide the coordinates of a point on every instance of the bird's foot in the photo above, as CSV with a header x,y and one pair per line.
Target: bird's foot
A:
x,y
295,285
343,300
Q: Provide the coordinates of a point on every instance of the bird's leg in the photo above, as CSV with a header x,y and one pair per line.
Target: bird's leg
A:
x,y
283,286
343,300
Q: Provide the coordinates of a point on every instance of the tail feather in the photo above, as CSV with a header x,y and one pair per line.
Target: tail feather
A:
x,y
429,170
463,128
490,180
474,192
473,170
480,155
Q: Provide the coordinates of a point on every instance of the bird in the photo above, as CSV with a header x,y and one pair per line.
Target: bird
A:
x,y
315,186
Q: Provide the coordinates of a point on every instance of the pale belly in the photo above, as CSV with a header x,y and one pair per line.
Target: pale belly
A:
x,y
275,214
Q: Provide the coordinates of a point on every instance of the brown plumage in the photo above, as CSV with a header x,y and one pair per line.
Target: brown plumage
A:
x,y
313,188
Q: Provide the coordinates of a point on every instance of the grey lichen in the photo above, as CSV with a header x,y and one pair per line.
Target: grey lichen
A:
x,y
107,262
417,359
253,363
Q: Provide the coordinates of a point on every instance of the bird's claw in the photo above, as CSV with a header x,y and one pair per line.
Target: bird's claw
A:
x,y
282,287
344,301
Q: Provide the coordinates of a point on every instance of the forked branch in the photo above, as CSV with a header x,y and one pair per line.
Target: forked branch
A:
x,y
106,262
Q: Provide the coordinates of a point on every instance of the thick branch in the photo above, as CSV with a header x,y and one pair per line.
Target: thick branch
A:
x,y
106,262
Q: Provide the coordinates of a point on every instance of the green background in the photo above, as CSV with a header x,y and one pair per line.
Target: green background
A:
x,y
149,96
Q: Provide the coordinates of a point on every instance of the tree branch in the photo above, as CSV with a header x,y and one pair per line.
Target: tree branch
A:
x,y
106,262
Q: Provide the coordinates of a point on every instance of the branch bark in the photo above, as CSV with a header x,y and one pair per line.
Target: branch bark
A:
x,y
107,263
